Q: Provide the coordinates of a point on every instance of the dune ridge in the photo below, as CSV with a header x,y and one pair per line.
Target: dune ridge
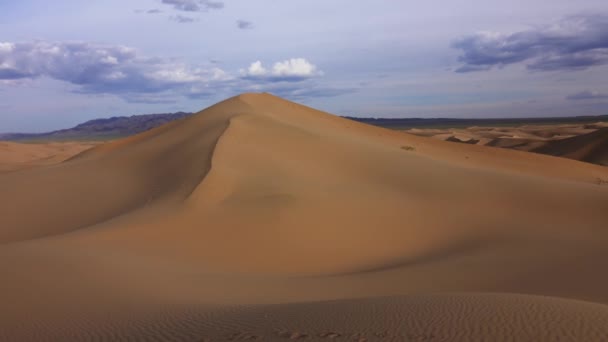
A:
x,y
260,201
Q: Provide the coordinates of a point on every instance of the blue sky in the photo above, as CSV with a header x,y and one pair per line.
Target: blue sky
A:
x,y
67,61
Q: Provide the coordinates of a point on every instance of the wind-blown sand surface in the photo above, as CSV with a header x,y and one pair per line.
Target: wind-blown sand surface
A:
x,y
259,218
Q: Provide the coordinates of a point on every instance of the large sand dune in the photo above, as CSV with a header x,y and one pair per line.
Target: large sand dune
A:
x,y
307,219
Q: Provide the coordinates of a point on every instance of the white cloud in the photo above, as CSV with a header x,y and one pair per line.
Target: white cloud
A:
x,y
295,69
256,69
6,47
218,74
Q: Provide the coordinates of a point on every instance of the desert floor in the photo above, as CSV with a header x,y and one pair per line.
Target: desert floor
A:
x,y
262,219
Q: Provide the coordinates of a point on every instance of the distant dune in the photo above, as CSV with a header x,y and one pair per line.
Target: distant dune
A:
x,y
259,218
591,147
584,142
14,156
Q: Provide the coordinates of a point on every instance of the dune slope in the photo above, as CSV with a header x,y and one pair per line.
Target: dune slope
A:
x,y
15,156
258,200
591,147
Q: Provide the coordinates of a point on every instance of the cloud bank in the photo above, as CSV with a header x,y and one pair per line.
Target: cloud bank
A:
x,y
573,43
96,68
125,72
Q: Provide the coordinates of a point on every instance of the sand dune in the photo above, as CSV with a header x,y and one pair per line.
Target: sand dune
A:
x,y
14,156
260,201
583,142
591,147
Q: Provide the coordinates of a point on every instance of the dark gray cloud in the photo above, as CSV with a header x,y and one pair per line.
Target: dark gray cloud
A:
x,y
182,19
573,43
194,5
588,95
244,24
10,73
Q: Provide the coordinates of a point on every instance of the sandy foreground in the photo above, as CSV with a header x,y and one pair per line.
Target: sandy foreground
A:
x,y
261,219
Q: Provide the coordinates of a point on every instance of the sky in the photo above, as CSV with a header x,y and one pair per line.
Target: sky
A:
x,y
68,61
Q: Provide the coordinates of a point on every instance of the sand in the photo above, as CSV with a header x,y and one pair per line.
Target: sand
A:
x,y
582,142
19,156
259,218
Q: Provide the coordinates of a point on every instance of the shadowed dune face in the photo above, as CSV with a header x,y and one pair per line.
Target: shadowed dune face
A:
x,y
591,147
583,142
258,200
110,180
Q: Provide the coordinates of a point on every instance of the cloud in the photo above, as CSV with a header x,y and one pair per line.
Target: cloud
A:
x,y
124,72
194,5
244,24
292,70
588,95
154,11
313,92
182,19
573,43
293,91
96,68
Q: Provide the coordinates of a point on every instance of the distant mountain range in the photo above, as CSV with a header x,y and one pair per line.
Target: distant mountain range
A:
x,y
101,129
